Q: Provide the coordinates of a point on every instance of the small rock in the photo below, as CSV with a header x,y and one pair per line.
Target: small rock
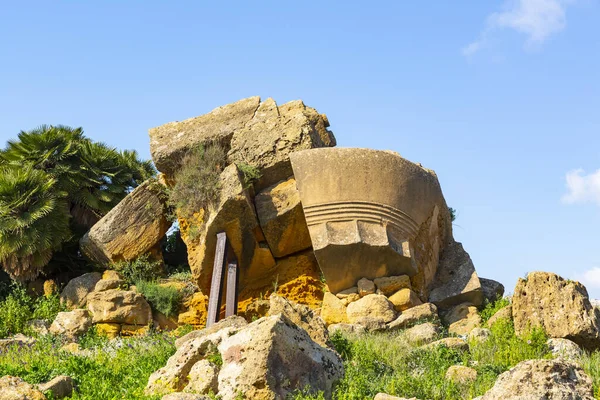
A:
x,y
449,342
13,388
564,349
365,287
405,299
353,329
350,298
50,288
422,333
461,374
383,396
424,313
391,284
71,324
462,319
479,335
345,293
39,326
61,386
107,330
203,378
372,324
134,330
333,311
111,275
504,313
372,305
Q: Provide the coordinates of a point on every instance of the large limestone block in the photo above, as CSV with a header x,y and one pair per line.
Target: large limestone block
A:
x,y
132,228
74,295
119,307
541,380
562,308
170,142
371,306
14,388
71,324
234,322
235,216
389,285
371,214
282,218
456,281
302,316
272,358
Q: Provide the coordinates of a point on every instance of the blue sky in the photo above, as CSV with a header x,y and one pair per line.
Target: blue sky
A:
x,y
501,98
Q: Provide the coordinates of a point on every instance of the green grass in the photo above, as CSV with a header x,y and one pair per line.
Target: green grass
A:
x,y
165,299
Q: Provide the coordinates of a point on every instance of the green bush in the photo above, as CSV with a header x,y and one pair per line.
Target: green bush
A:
x,y
250,174
141,269
490,308
165,299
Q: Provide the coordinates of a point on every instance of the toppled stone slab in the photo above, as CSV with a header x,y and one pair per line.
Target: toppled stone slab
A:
x,y
119,307
562,308
132,228
74,295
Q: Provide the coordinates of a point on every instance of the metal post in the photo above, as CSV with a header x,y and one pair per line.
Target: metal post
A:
x,y
231,301
216,287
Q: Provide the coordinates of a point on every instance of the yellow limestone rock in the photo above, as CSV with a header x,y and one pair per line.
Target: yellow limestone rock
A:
x,y
333,310
404,299
111,331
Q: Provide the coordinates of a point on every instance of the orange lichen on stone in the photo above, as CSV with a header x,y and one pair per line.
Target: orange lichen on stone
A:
x,y
197,311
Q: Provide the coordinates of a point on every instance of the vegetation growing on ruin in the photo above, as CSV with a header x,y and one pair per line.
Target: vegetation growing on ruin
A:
x,y
165,299
141,269
250,174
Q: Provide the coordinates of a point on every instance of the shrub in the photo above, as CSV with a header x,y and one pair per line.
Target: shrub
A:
x,y
490,308
250,174
165,299
141,269
198,180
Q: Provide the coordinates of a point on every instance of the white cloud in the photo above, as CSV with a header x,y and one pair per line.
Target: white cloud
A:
x,y
538,19
582,188
590,278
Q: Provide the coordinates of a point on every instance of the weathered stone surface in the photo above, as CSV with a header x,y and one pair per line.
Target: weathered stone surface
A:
x,y
16,340
347,292
479,335
234,322
492,290
107,284
39,326
13,388
504,313
134,330
132,228
564,349
71,324
371,324
119,306
347,194
302,316
164,323
389,285
456,281
75,293
350,298
462,319
422,333
272,357
404,299
282,219
449,342
461,374
196,310
374,306
235,216
541,380
365,287
562,308
353,329
424,313
109,331
333,310
184,396
203,378
170,142
61,386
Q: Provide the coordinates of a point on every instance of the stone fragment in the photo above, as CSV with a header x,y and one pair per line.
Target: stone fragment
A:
x,y
564,349
282,219
374,306
71,324
347,292
75,293
461,374
454,343
60,387
134,330
347,194
462,319
333,310
107,284
131,229
196,311
203,378
119,306
352,329
14,388
422,333
365,287
424,313
562,308
110,331
504,313
234,322
404,299
302,316
456,281
542,379
39,326
492,290
479,335
184,396
272,358
371,324
389,285
16,340
350,298
111,275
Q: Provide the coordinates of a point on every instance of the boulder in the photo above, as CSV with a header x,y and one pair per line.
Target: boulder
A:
x,y
132,228
61,386
302,316
540,380
282,219
196,311
492,290
404,299
333,310
120,307
422,333
479,335
562,308
461,374
352,329
389,285
234,214
75,293
13,388
272,358
423,313
453,343
564,349
203,378
371,214
374,306
71,324
456,281
505,313
365,287
462,319
234,322
371,324
107,284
